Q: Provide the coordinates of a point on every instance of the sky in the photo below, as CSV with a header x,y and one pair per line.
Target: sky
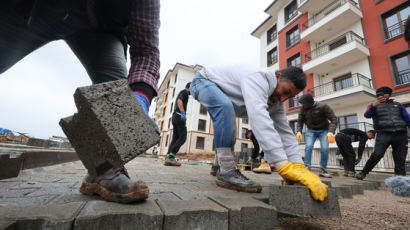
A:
x,y
38,91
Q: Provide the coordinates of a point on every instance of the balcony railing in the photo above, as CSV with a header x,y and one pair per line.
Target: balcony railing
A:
x,y
394,30
333,44
353,80
362,126
402,77
325,11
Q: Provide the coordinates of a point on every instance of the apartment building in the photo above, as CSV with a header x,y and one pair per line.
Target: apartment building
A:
x,y
347,48
199,125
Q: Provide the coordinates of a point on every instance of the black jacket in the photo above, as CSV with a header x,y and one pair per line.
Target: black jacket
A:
x,y
387,117
317,117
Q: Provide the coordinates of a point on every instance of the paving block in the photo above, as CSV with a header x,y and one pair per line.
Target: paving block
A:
x,y
248,213
101,215
368,185
56,217
296,200
110,127
7,225
193,214
357,189
10,165
344,191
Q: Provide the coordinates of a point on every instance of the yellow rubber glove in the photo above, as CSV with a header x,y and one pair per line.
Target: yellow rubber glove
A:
x,y
298,173
330,137
299,137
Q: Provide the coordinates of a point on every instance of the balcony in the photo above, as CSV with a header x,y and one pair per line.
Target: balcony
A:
x,y
311,6
350,90
402,78
341,51
332,19
395,30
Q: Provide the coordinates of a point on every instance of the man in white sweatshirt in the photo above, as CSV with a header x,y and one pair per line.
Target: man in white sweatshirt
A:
x,y
245,91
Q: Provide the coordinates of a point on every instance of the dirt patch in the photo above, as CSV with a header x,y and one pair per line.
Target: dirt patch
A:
x,y
377,209
198,157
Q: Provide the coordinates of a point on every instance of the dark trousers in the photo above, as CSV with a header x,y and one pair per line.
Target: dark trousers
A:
x,y
179,135
344,143
102,54
398,142
256,153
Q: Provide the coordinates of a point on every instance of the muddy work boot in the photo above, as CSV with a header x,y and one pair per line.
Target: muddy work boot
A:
x,y
360,176
116,186
263,168
214,169
324,173
170,161
236,181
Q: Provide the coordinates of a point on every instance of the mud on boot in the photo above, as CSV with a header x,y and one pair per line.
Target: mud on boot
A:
x,y
116,186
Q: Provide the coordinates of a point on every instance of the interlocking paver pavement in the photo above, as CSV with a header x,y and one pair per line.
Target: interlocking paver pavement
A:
x,y
58,185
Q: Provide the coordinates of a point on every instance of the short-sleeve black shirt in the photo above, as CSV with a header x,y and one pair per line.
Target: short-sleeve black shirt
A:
x,y
183,95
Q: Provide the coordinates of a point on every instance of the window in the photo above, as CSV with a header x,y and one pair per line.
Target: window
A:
x,y
162,125
166,97
173,93
293,101
245,120
164,111
295,60
168,84
169,123
343,82
401,68
272,34
272,56
166,141
172,106
176,77
292,36
244,146
201,125
202,109
200,142
291,10
349,121
244,131
394,21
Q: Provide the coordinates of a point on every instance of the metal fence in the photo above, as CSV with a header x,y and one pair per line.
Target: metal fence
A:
x,y
333,44
402,77
394,30
349,81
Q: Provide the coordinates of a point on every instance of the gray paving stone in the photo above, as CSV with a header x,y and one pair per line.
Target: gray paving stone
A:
x,y
248,213
357,189
296,201
164,196
110,126
101,215
193,214
344,192
41,217
7,225
369,185
10,165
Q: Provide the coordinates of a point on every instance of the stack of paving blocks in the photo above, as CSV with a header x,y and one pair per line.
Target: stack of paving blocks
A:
x,y
110,127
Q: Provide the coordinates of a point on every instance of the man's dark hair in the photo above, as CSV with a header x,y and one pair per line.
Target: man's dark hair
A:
x,y
187,85
372,132
385,90
295,75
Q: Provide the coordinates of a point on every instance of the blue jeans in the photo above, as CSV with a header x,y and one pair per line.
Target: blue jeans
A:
x,y
311,136
220,109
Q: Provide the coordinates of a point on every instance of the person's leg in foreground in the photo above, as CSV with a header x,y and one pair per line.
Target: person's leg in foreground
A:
x,y
222,113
